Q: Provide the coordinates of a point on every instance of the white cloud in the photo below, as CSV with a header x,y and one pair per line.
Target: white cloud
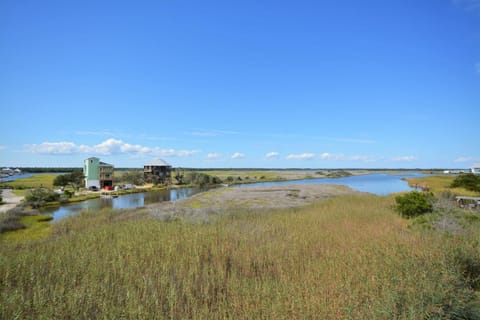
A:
x,y
2,147
238,155
272,154
463,159
342,157
57,148
213,155
329,156
404,159
107,147
303,156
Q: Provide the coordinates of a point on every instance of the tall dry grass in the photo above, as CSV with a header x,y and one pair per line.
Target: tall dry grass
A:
x,y
345,258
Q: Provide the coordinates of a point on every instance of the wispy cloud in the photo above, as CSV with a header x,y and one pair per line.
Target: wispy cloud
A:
x,y
335,139
464,159
303,156
213,155
272,154
349,140
107,147
342,157
329,156
2,147
404,159
238,155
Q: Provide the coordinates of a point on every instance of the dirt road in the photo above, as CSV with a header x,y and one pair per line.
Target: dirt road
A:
x,y
10,200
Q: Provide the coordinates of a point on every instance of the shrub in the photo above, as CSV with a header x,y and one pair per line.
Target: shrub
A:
x,y
468,181
414,203
38,196
201,179
10,223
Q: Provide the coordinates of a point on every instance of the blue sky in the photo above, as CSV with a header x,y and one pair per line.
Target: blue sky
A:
x,y
275,84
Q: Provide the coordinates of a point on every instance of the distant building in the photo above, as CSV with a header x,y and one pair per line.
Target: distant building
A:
x,y
475,169
97,174
157,171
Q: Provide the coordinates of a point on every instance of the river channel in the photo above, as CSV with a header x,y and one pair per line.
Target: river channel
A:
x,y
380,184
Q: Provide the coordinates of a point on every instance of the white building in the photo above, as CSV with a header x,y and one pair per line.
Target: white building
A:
x,y
475,169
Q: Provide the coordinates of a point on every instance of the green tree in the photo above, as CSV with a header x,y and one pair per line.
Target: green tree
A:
x,y
74,179
468,181
134,177
39,196
179,176
414,203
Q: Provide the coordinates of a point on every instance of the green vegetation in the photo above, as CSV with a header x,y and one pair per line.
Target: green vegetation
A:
x,y
134,177
74,179
237,175
414,203
201,179
35,181
334,173
349,257
468,181
441,183
31,228
40,196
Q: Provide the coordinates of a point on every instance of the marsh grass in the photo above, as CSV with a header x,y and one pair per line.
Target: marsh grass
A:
x,y
348,257
35,181
36,227
441,184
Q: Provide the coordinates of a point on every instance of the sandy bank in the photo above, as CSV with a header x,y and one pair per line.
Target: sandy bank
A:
x,y
225,200
10,200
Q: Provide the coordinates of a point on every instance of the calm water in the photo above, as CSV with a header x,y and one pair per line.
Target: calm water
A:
x,y
15,177
378,183
128,201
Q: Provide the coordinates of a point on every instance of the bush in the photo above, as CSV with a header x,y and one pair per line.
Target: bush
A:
x,y
39,196
468,181
201,179
414,203
10,223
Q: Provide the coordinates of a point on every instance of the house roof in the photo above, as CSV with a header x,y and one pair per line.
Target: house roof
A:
x,y
106,164
158,163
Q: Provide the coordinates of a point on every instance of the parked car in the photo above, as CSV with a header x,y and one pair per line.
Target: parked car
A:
x,y
93,188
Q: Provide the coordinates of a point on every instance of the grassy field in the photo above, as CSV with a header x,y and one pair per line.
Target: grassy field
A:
x,y
35,181
441,183
37,227
348,257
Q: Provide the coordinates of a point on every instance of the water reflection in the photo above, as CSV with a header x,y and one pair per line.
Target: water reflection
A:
x,y
379,183
128,201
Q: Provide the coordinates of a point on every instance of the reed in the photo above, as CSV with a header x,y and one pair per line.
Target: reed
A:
x,y
35,181
348,257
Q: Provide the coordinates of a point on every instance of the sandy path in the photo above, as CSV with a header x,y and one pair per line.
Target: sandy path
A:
x,y
219,201
10,200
